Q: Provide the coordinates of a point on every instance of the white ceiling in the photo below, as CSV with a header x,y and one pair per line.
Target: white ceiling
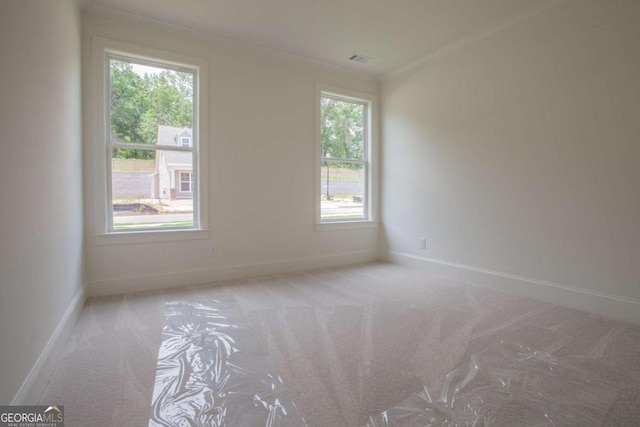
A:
x,y
394,33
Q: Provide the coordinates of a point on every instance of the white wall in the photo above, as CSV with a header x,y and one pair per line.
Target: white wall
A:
x,y
41,181
518,155
261,166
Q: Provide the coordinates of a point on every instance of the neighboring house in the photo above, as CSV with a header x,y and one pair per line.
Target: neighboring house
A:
x,y
173,175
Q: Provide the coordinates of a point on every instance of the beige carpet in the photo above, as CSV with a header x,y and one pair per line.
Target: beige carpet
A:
x,y
370,345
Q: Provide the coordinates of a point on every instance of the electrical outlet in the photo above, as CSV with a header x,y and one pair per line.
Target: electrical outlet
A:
x,y
423,243
212,251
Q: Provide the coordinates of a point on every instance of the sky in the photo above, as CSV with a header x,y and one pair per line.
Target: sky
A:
x,y
145,69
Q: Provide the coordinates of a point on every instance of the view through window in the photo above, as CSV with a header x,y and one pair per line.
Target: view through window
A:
x,y
343,168
151,145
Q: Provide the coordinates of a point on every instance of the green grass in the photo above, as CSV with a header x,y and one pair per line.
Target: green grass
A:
x,y
330,218
344,196
130,226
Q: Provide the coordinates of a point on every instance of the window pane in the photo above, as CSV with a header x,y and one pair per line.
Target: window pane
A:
x,y
147,190
342,191
342,129
150,104
185,181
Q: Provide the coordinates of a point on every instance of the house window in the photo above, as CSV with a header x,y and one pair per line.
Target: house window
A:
x,y
344,167
149,100
185,182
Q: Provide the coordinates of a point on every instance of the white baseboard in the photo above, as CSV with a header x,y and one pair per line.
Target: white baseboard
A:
x,y
34,384
164,280
614,306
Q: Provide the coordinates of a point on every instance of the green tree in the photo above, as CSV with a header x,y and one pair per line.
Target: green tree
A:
x,y
342,129
129,102
170,102
141,103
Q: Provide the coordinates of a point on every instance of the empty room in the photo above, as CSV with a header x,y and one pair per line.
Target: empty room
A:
x,y
320,213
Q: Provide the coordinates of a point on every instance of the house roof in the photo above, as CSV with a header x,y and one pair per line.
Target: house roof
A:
x,y
169,135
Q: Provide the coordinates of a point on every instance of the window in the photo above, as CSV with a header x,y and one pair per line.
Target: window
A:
x,y
149,141
185,182
149,104
344,169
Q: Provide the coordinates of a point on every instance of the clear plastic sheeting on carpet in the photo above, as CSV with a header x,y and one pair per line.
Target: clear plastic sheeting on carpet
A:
x,y
210,372
379,344
509,384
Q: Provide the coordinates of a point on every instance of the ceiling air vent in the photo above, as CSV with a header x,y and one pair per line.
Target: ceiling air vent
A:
x,y
360,58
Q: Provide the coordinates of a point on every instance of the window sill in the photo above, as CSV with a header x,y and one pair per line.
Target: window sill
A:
x,y
124,238
346,225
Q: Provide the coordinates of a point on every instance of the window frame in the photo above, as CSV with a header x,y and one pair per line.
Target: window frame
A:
x,y
369,160
102,51
188,139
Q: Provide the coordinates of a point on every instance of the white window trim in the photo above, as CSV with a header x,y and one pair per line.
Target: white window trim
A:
x,y
371,151
101,47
